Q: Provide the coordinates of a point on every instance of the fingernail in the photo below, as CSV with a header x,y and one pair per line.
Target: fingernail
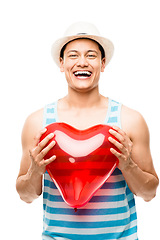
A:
x,y
111,130
112,150
51,135
44,130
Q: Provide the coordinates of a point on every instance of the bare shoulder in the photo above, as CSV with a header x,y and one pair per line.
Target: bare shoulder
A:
x,y
32,125
134,124
35,118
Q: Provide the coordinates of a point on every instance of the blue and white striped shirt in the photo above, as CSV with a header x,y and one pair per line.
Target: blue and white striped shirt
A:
x,y
111,212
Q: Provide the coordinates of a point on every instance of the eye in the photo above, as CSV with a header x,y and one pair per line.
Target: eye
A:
x,y
73,56
91,56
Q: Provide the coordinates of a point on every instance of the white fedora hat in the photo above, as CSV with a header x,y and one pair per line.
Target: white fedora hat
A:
x,y
82,30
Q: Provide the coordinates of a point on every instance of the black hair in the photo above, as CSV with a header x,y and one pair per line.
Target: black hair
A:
x,y
100,48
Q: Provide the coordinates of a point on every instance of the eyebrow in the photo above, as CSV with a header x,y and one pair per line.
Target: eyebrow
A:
x,y
72,51
93,51
78,51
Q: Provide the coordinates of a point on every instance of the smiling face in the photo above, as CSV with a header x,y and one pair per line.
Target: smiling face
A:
x,y
82,64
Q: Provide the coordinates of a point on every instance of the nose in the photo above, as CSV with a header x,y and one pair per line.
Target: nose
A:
x,y
82,62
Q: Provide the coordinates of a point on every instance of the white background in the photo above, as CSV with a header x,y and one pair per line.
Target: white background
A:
x,y
29,79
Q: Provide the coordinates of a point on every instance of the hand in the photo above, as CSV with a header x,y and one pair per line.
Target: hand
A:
x,y
124,144
39,151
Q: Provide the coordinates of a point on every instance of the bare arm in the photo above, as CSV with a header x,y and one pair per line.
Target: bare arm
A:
x,y
29,181
135,159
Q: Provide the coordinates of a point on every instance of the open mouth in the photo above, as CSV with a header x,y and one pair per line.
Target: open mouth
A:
x,y
82,74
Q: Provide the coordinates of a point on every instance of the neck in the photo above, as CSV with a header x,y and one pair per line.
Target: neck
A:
x,y
83,99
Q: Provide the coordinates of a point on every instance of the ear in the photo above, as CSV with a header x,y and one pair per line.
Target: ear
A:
x,y
61,64
103,64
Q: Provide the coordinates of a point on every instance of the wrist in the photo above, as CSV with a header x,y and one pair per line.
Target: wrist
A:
x,y
129,167
34,179
33,175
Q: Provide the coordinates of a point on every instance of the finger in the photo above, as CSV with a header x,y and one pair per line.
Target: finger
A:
x,y
117,144
48,161
45,150
119,130
44,142
120,137
117,154
38,136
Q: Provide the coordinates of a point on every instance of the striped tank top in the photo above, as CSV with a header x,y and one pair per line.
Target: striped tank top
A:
x,y
110,213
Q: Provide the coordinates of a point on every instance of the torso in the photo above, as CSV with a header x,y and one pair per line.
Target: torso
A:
x,y
87,117
113,198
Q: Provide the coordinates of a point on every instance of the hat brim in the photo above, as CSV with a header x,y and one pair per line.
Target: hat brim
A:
x,y
104,42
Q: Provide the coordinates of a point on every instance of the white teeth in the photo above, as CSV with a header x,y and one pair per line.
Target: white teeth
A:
x,y
82,73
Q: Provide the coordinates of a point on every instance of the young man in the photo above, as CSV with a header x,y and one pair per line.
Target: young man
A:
x,y
82,55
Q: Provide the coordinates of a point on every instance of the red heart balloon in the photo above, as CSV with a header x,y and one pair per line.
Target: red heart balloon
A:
x,y
84,161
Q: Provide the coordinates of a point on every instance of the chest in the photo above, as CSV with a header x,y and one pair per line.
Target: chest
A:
x,y
82,119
